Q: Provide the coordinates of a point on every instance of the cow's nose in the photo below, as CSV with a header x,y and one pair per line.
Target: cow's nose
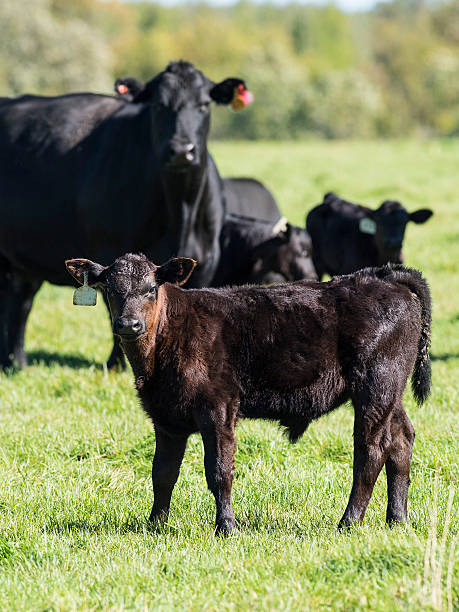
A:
x,y
182,153
128,327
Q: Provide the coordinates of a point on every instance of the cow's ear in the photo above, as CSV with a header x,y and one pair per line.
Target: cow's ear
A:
x,y
85,271
286,233
421,216
121,87
232,91
176,271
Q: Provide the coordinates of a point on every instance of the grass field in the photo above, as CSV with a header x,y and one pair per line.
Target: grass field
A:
x,y
76,449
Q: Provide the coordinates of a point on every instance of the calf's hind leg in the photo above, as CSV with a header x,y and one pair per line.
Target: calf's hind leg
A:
x,y
371,448
398,466
166,466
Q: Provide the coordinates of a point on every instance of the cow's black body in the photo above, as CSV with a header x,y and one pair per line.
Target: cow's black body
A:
x,y
246,196
92,174
341,247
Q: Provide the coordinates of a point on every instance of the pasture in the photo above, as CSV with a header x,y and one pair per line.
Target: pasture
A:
x,y
76,449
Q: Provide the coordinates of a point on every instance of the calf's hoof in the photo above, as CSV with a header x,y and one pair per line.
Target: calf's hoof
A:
x,y
346,524
225,527
158,516
394,519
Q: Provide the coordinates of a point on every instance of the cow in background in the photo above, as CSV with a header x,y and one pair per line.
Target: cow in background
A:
x,y
260,252
347,237
243,196
90,174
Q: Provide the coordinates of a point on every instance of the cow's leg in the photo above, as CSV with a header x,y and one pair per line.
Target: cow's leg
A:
x,y
398,466
5,290
168,457
116,359
21,293
371,447
219,447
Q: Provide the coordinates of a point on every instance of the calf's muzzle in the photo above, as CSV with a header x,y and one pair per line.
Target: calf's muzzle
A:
x,y
128,329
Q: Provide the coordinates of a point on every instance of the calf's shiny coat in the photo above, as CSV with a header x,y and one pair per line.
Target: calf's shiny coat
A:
x,y
204,358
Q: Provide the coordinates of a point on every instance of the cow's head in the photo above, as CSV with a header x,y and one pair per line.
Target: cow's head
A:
x,y
286,256
388,224
128,88
180,98
131,286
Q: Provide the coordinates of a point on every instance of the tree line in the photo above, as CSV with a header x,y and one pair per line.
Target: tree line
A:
x,y
314,71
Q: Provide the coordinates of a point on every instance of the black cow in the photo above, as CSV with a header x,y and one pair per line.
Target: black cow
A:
x,y
128,88
205,358
243,196
347,237
92,174
249,197
258,251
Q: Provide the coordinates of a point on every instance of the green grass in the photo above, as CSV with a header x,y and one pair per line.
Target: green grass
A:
x,y
76,449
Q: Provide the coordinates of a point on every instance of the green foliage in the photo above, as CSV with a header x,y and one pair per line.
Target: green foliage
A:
x,y
76,449
48,53
314,71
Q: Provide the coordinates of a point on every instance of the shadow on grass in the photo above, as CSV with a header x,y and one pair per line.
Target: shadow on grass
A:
x,y
444,357
108,525
52,359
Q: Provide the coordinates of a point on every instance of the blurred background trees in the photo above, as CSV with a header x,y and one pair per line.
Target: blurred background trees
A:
x,y
315,71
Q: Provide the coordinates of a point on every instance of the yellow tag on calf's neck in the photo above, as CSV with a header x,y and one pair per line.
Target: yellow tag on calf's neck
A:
x,y
85,295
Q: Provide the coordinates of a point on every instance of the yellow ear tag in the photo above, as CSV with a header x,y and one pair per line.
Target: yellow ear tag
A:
x,y
85,296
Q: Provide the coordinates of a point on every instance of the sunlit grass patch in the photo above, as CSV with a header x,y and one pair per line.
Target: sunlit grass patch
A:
x,y
76,448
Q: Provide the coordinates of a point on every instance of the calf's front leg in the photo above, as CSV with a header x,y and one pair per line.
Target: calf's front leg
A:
x,y
219,446
166,466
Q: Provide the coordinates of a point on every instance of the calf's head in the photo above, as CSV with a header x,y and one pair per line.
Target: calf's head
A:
x,y
131,286
287,256
388,227
180,98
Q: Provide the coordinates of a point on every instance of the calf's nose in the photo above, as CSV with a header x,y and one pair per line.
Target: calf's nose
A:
x,y
128,327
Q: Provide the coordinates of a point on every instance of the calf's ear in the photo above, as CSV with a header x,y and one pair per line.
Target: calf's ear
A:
x,y
81,268
176,271
421,215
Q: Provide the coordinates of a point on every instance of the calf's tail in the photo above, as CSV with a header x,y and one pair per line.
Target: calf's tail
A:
x,y
421,377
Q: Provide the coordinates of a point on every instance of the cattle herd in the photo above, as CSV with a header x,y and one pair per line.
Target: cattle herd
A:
x,y
110,185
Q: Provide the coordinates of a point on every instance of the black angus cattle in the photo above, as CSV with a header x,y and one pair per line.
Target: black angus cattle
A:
x,y
92,174
243,196
249,197
258,251
204,358
128,88
347,237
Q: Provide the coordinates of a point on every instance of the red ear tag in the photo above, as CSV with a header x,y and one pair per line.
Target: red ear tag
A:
x,y
122,89
242,97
